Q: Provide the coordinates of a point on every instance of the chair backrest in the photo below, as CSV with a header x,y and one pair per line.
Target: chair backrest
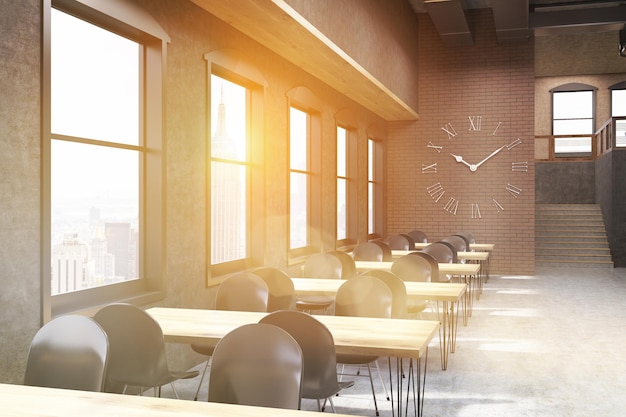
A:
x,y
412,268
322,265
468,236
367,251
318,351
243,291
68,352
398,291
399,242
257,364
418,236
459,243
348,268
434,265
387,256
443,252
363,296
281,289
136,346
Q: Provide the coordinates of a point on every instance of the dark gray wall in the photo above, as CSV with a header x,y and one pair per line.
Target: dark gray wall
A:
x,y
611,188
565,183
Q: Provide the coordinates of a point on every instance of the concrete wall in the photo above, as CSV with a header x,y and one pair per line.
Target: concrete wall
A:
x,y
565,183
193,33
20,265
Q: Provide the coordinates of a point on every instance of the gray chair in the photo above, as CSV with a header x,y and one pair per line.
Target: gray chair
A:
x,y
418,236
434,265
458,243
387,256
322,265
363,296
443,253
257,364
468,236
348,268
136,349
318,350
244,291
68,352
319,265
367,251
400,242
399,306
413,268
281,290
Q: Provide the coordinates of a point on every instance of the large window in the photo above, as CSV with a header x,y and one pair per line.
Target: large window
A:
x,y
236,155
346,190
299,179
103,112
573,114
95,162
374,188
229,171
342,184
304,174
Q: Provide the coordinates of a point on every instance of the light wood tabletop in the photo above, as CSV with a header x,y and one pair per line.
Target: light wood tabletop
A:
x,y
437,291
444,268
356,335
448,294
473,246
27,401
466,256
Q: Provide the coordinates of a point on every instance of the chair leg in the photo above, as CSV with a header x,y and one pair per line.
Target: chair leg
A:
x,y
369,370
206,366
332,405
380,376
173,389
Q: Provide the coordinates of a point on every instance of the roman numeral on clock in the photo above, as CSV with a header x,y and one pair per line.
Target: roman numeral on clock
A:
x,y
519,166
429,168
449,130
435,147
436,191
513,190
475,122
451,206
476,211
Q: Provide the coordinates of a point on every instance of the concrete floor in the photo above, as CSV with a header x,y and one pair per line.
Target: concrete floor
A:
x,y
551,344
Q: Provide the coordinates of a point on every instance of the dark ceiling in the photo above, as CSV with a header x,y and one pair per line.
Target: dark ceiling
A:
x,y
518,20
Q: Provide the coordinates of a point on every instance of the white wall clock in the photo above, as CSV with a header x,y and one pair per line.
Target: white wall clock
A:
x,y
473,167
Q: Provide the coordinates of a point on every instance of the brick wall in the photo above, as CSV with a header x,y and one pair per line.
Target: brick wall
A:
x,y
495,82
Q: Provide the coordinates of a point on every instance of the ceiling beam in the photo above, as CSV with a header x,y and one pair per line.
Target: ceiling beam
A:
x,y
450,20
545,22
511,20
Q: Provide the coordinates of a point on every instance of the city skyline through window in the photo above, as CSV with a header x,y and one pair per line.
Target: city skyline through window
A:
x,y
95,155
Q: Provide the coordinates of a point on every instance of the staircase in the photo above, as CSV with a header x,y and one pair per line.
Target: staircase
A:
x,y
571,235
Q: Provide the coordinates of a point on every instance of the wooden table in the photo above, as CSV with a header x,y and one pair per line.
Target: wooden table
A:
x,y
479,247
26,401
354,335
480,257
466,272
449,294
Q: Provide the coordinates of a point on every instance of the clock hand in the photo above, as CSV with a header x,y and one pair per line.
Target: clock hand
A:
x,y
487,158
459,158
